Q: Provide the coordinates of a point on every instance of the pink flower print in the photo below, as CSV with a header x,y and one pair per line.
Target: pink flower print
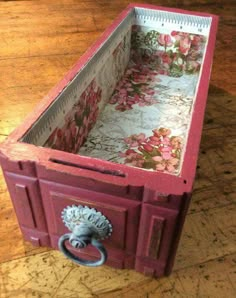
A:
x,y
192,66
165,141
158,152
164,131
176,142
135,140
78,112
163,72
161,132
193,54
147,147
141,104
86,131
136,98
81,130
161,165
140,78
128,72
78,121
113,99
169,165
165,40
150,92
73,128
59,133
130,101
93,84
166,155
68,119
138,163
149,100
127,152
51,138
155,141
128,84
179,35
196,40
99,95
85,121
153,73
135,159
174,33
92,98
94,115
122,100
59,144
123,107
68,138
166,58
184,45
123,92
130,89
165,152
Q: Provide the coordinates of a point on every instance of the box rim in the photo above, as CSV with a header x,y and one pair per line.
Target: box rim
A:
x,y
182,182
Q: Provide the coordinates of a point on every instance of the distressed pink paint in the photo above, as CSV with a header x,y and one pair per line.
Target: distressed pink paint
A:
x,y
147,209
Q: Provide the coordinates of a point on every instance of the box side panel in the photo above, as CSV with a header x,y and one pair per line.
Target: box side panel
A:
x,y
26,198
159,234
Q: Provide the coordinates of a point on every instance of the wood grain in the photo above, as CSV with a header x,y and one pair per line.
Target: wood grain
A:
x,y
39,42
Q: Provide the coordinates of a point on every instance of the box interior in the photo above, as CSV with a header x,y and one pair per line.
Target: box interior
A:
x,y
132,103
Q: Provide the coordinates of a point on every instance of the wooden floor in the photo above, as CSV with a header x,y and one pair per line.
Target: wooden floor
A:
x,y
39,42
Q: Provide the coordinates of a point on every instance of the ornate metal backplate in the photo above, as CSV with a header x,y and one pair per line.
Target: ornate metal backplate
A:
x,y
73,216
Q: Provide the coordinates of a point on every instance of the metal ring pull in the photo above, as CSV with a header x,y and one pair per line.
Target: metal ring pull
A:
x,y
88,226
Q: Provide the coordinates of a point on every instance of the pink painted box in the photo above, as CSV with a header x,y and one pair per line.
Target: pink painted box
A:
x,y
110,153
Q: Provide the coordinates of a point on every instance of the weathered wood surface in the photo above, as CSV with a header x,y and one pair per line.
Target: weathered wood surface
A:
x,y
39,42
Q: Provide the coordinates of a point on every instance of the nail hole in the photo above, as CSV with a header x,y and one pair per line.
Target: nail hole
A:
x,y
185,181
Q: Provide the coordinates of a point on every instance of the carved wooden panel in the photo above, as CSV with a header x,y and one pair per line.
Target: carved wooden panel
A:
x,y
27,201
122,213
156,237
24,205
156,232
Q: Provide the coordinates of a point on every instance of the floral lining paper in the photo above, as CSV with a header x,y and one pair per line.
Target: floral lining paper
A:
x,y
144,123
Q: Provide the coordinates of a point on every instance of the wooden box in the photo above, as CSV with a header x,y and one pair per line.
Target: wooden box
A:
x,y
120,133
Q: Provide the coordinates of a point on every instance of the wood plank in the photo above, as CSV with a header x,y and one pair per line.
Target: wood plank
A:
x,y
23,87
206,236
20,277
46,44
63,279
216,278
53,30
34,71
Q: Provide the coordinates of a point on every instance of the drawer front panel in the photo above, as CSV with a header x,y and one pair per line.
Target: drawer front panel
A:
x,y
122,213
116,258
